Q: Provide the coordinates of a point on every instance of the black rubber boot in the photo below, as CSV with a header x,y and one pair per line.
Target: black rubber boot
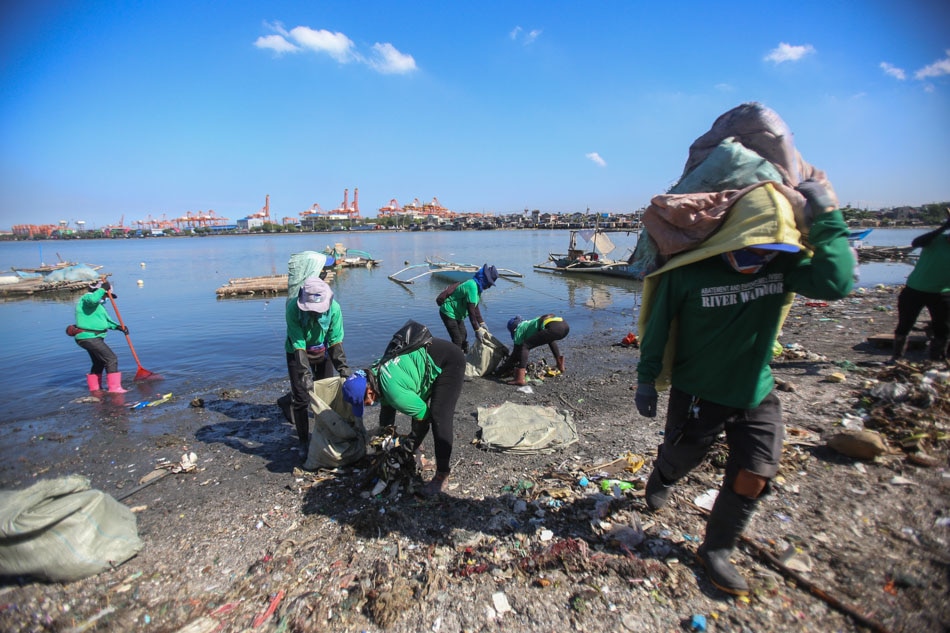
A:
x,y
729,517
900,344
658,492
938,349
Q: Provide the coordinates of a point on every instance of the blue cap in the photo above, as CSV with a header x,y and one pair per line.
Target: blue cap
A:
x,y
331,260
354,390
513,323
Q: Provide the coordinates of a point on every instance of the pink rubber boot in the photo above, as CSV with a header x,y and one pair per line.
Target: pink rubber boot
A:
x,y
93,380
115,382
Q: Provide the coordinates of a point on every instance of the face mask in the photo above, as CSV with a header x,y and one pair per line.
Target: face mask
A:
x,y
746,262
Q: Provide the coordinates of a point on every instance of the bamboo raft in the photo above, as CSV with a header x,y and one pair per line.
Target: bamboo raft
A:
x,y
885,253
33,286
266,286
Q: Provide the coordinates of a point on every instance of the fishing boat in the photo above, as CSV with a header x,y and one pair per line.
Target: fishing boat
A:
x,y
351,257
591,260
855,237
445,270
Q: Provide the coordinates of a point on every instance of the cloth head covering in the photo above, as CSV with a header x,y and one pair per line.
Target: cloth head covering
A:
x,y
97,284
354,391
314,296
486,277
513,323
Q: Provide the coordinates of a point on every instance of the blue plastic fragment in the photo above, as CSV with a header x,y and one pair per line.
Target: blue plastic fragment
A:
x,y
698,623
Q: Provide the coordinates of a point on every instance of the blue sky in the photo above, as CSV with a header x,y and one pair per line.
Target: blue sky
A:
x,y
129,109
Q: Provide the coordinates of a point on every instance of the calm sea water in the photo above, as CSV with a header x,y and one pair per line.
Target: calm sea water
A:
x,y
197,342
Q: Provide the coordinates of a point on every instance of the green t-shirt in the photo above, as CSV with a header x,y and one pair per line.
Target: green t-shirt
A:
x,y
932,271
405,382
306,329
456,305
728,321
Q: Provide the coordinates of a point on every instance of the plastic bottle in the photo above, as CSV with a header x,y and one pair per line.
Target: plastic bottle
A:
x,y
607,485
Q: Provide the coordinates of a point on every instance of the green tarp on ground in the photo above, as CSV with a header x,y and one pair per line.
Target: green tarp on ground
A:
x,y
525,429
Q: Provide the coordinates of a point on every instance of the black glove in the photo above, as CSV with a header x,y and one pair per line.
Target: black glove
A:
x,y
817,199
106,285
124,329
338,358
646,400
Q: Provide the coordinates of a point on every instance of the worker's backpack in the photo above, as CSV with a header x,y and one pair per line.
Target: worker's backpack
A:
x,y
447,292
408,338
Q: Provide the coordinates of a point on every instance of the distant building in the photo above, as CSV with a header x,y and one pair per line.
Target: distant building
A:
x,y
250,223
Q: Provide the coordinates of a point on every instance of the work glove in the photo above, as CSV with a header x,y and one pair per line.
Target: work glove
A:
x,y
646,400
124,329
817,199
482,333
106,285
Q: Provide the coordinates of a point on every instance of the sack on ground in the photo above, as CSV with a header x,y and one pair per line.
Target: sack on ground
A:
x,y
410,337
446,292
484,356
524,429
61,530
338,437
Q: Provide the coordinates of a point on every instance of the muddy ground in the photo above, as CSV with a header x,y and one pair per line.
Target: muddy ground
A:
x,y
249,542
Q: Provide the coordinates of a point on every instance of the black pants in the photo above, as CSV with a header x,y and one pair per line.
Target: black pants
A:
x,y
754,436
456,330
101,354
549,335
909,304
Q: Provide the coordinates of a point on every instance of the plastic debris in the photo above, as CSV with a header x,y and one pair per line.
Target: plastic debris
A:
x,y
697,623
607,485
707,499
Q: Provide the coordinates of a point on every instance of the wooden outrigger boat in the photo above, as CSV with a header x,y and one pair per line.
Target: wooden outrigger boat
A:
x,y
350,257
445,270
591,260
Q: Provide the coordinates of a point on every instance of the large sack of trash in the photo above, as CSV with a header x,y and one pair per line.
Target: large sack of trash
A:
x,y
484,356
62,530
79,272
338,437
747,147
524,429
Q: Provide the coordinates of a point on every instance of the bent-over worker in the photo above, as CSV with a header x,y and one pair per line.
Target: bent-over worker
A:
x,y
425,385
526,335
463,302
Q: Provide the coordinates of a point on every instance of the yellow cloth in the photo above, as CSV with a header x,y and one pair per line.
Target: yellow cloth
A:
x,y
762,216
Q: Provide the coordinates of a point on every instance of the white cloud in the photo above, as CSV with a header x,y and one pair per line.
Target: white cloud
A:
x,y
336,45
788,53
893,71
595,158
388,60
276,43
384,58
529,38
937,69
724,87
